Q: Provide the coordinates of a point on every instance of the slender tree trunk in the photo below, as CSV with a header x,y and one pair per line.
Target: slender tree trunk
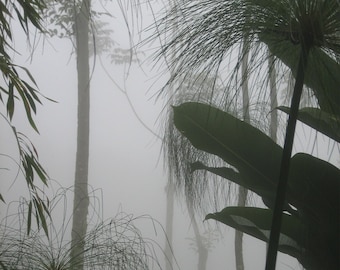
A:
x,y
242,192
170,198
201,249
285,162
81,199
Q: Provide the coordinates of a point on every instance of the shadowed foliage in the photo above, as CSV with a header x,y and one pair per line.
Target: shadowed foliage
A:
x,y
302,36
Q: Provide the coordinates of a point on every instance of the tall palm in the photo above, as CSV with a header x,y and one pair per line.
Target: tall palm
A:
x,y
303,35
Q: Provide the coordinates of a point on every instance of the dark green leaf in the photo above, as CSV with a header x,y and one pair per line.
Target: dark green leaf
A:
x,y
2,199
314,188
10,101
219,133
257,223
42,216
322,121
29,217
322,72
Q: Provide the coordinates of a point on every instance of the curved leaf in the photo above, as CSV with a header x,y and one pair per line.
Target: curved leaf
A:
x,y
322,73
257,223
219,133
267,192
314,188
320,120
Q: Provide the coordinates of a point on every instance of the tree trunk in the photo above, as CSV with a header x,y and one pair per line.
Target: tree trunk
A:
x,y
285,162
242,192
201,249
81,199
170,197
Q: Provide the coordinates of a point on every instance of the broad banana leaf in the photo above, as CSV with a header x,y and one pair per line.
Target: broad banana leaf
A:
x,y
313,183
257,223
267,192
326,123
296,239
313,186
219,133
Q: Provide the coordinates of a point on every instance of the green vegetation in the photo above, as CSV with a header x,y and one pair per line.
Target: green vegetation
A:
x,y
301,192
115,243
310,222
15,89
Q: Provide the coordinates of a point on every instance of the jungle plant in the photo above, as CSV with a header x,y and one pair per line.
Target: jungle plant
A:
x,y
18,86
303,36
115,243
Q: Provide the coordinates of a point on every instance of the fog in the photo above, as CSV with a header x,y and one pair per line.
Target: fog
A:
x,y
127,170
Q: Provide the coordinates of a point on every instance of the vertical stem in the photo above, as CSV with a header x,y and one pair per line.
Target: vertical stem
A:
x,y
242,192
201,249
170,196
285,163
273,98
81,200
242,198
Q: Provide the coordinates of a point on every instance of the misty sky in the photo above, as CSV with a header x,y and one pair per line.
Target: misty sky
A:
x,y
126,162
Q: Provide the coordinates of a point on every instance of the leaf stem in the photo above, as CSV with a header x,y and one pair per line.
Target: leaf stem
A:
x,y
285,163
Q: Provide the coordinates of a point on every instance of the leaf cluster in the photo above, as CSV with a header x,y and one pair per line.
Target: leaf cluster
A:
x,y
208,34
14,89
116,243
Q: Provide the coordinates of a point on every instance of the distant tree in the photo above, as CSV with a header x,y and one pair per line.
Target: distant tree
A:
x,y
79,22
72,19
14,89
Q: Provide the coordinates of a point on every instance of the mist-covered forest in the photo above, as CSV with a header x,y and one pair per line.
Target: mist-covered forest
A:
x,y
169,134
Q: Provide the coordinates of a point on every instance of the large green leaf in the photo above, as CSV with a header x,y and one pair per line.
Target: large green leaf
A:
x,y
309,244
314,188
219,133
313,183
326,123
267,192
257,222
322,73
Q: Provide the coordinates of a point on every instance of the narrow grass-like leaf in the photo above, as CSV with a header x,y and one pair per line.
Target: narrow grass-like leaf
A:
x,y
10,101
29,218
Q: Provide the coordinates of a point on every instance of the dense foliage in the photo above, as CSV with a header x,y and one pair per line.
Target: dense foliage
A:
x,y
304,39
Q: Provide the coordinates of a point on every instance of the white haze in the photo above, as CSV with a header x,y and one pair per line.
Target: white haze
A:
x,y
126,163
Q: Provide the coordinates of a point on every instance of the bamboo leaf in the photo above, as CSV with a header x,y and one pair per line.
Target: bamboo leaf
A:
x,y
10,101
29,218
